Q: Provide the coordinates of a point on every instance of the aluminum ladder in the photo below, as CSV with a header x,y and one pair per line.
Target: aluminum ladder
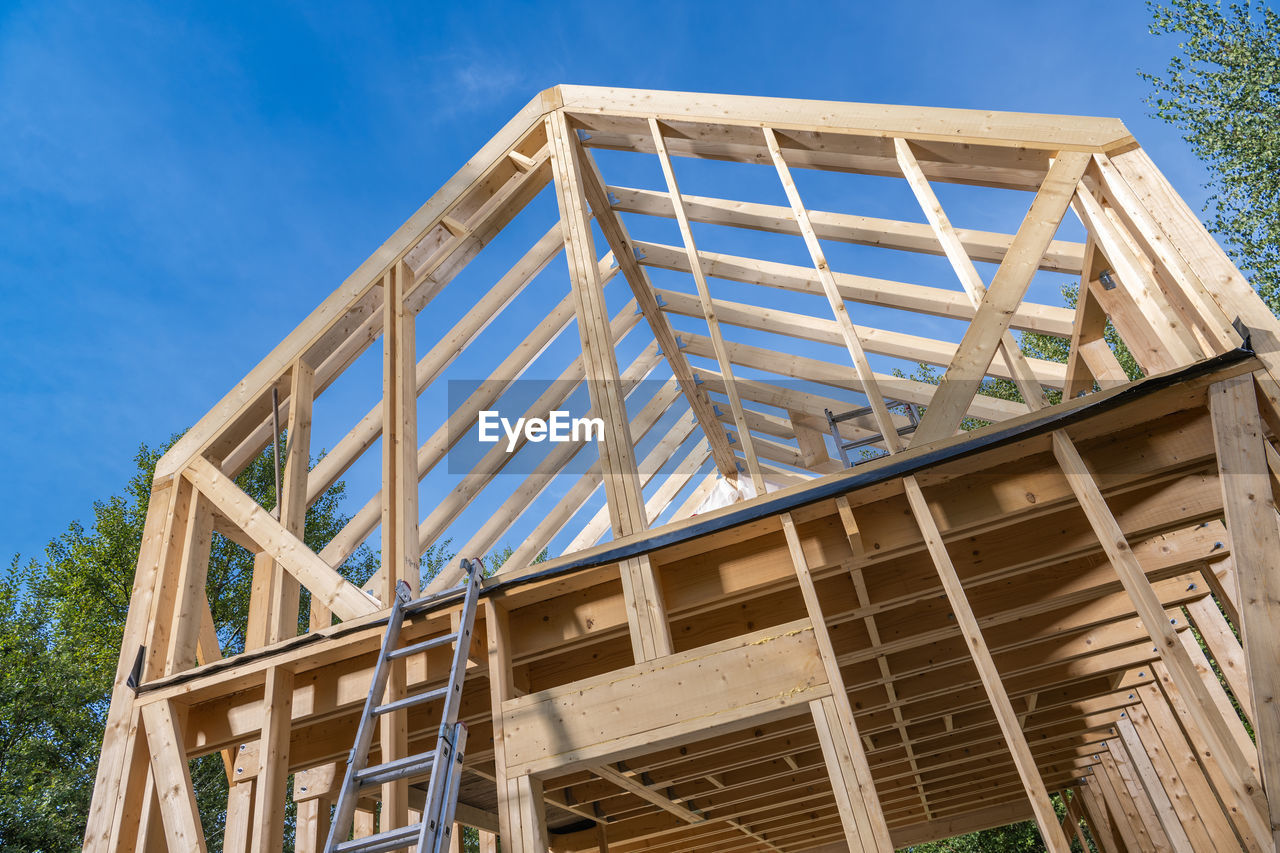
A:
x,y
442,765
833,421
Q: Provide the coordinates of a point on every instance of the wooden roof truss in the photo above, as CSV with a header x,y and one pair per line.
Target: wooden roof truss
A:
x,y
932,643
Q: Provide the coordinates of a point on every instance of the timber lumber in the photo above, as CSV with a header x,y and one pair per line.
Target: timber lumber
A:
x,y
708,635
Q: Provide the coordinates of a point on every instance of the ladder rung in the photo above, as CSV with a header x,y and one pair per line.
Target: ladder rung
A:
x,y
392,839
423,646
410,701
401,768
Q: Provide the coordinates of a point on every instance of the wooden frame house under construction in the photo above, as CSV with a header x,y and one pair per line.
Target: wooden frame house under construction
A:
x,y
994,608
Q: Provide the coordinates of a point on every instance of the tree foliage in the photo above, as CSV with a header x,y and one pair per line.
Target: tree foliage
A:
x,y
1223,93
61,624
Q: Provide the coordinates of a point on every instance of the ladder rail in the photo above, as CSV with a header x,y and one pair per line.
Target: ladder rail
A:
x,y
450,729
833,420
450,805
359,755
443,761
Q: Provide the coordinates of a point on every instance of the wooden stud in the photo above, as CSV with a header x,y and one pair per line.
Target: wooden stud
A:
x,y
192,603
865,825
1250,506
172,778
273,773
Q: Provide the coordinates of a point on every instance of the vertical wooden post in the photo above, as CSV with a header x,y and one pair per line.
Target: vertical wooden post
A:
x,y
860,811
1250,510
400,556
1090,359
313,825
133,810
274,593
285,589
267,835
239,820
118,786
362,825
532,810
501,688
191,603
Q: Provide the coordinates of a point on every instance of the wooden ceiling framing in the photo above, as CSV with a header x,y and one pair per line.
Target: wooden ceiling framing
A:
x,y
933,642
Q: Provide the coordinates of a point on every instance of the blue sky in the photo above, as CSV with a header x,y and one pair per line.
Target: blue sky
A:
x,y
180,184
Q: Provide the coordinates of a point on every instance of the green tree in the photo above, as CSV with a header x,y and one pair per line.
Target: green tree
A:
x,y
49,730
1223,93
61,624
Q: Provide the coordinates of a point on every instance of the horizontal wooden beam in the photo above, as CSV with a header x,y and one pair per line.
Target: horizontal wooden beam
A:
x,y
1062,256
911,348
980,127
760,676
918,298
